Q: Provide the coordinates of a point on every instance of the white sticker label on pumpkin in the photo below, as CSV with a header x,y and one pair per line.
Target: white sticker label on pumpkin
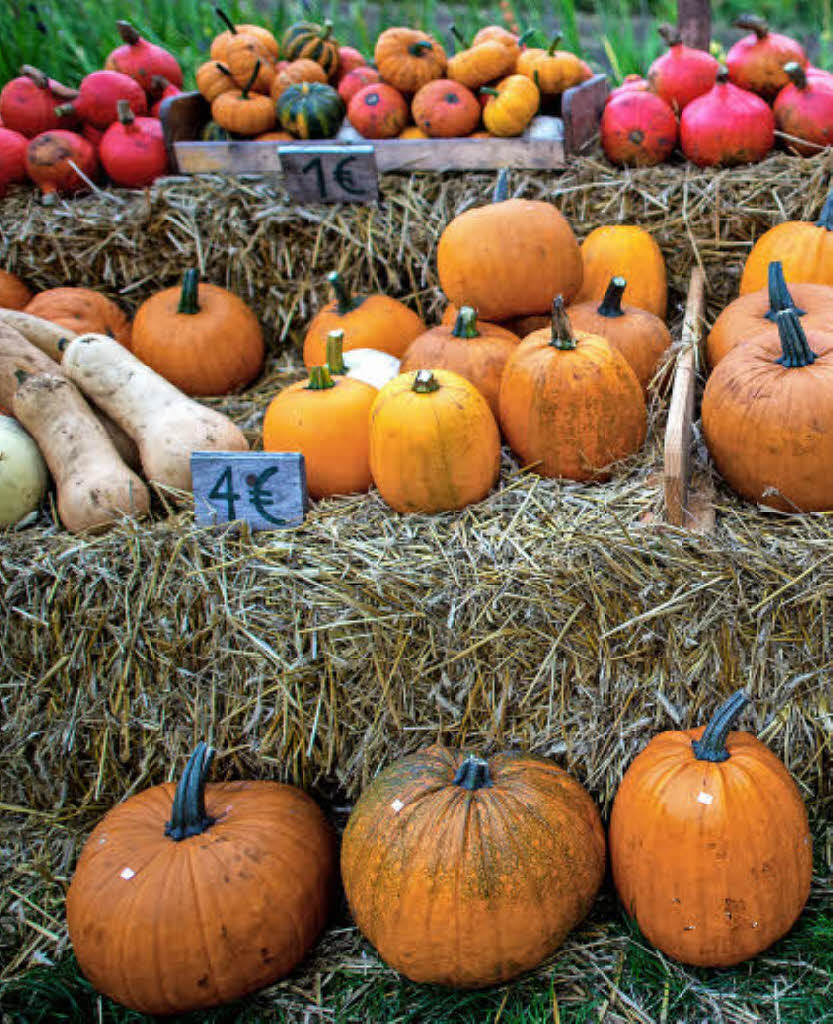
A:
x,y
127,874
397,805
705,798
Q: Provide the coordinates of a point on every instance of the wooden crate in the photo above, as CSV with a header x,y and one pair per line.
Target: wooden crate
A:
x,y
183,118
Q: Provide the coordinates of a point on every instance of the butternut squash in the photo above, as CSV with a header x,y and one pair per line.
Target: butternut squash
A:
x,y
43,334
95,488
166,424
17,354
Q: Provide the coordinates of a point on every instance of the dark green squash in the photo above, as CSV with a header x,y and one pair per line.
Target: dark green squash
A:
x,y
310,110
315,42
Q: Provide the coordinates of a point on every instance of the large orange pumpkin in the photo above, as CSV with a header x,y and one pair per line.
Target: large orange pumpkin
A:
x,y
642,338
200,337
804,249
570,405
464,871
13,292
192,895
508,258
82,310
768,419
368,321
709,843
434,443
616,250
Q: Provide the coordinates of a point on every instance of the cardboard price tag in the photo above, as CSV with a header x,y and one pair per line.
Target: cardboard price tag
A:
x,y
266,489
330,174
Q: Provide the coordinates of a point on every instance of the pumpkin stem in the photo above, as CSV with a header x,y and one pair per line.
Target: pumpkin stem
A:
x,y
501,192
346,302
796,74
420,48
525,36
795,349
226,20
328,30
722,76
128,33
754,23
779,294
712,744
188,814
670,34
36,75
473,774
554,44
64,110
562,330
125,113
189,297
488,90
458,36
320,379
611,305
425,382
244,92
335,352
465,326
826,216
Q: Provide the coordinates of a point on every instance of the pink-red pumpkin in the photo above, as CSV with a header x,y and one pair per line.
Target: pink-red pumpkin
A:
x,y
50,158
12,158
683,73
132,151
27,104
757,61
99,94
726,126
142,60
638,129
378,111
804,110
355,80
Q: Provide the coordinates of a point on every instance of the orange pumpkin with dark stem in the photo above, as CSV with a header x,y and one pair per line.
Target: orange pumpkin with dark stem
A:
x,y
512,104
200,337
220,44
570,405
13,292
82,310
446,109
213,79
244,53
613,251
552,70
368,321
434,443
753,315
451,312
768,421
642,338
508,258
326,419
407,58
245,112
475,353
804,249
709,843
466,872
503,36
182,898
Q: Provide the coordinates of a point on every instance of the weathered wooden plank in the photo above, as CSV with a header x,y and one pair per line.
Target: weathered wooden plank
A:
x,y
694,19
330,174
183,118
681,410
581,108
266,489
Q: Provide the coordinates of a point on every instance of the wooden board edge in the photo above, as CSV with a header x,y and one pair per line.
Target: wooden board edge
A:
x,y
581,111
183,117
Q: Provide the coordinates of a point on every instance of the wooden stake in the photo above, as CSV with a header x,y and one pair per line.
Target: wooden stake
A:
x,y
694,18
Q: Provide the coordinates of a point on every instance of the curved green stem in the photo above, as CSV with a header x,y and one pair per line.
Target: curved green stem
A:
x,y
335,352
188,814
189,296
779,294
420,48
795,349
712,744
562,336
457,37
346,302
554,44
465,326
226,20
425,382
826,216
526,35
320,379
501,192
611,304
473,774
753,23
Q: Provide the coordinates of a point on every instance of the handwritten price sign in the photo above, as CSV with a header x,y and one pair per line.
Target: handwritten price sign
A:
x,y
330,174
266,489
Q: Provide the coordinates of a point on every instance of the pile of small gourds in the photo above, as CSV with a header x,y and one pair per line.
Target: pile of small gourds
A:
x,y
461,870
301,87
569,398
721,115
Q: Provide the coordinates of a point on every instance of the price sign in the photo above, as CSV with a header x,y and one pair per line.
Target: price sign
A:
x,y
330,174
266,489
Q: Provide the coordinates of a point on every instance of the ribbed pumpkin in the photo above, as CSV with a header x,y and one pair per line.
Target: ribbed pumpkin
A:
x,y
768,421
638,129
464,871
83,311
315,42
481,63
476,353
326,419
753,314
182,897
570,405
368,321
709,843
200,337
13,292
642,338
804,249
804,110
310,110
407,58
508,258
512,104
451,312
434,443
213,79
552,70
612,251
446,109
244,54
244,112
378,111
302,70
220,43
757,61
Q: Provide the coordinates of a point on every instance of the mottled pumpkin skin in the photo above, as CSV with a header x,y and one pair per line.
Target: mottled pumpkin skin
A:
x,y
405,70
377,321
446,109
571,413
451,312
713,860
509,259
745,318
768,428
642,338
470,888
13,292
630,252
165,927
804,249
310,110
378,111
433,452
82,310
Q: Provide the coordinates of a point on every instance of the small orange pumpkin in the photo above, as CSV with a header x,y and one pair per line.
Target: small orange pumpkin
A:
x,y
213,79
552,70
446,109
498,33
612,251
243,112
407,58
200,337
368,321
220,43
13,292
302,70
511,106
412,132
244,53
83,311
482,62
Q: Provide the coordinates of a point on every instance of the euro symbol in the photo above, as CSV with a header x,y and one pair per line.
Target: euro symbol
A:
x,y
260,498
344,176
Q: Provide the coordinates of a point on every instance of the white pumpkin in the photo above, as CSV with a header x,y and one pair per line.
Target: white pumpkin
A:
x,y
368,364
23,474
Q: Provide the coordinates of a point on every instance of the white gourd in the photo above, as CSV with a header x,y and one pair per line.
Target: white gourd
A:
x,y
23,474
